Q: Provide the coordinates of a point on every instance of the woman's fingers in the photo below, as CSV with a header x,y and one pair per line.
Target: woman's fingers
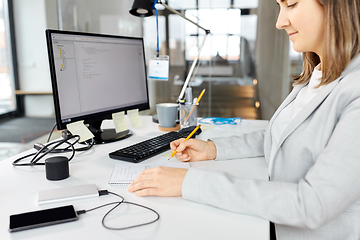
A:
x,y
180,155
146,192
159,181
175,144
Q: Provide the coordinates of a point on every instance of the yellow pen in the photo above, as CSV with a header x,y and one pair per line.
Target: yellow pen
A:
x,y
187,138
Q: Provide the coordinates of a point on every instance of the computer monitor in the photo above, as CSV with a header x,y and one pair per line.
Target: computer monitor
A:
x,y
94,76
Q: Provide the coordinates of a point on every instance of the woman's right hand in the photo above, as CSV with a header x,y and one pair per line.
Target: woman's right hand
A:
x,y
193,150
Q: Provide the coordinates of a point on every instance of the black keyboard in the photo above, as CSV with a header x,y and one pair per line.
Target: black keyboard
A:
x,y
148,148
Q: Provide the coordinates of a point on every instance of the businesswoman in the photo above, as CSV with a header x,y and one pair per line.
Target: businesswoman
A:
x,y
311,145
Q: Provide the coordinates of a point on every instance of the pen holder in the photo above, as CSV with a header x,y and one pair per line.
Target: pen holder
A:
x,y
188,115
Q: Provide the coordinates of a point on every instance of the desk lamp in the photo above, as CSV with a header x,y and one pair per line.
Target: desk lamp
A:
x,y
144,8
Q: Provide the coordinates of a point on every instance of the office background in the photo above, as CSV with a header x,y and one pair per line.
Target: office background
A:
x,y
246,64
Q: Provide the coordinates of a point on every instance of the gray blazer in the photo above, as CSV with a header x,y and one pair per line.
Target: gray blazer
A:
x,y
314,192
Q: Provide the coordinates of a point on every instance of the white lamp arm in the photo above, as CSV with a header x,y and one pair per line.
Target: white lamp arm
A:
x,y
183,16
199,51
191,70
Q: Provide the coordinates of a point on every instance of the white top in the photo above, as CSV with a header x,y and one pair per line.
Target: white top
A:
x,y
305,95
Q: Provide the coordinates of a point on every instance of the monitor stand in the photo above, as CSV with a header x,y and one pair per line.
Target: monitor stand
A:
x,y
107,135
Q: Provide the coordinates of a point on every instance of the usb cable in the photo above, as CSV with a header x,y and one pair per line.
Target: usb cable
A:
x,y
117,204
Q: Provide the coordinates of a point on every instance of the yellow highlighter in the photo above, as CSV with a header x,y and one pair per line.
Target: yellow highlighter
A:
x,y
187,138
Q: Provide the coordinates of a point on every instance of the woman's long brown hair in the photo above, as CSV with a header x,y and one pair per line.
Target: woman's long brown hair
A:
x,y
341,41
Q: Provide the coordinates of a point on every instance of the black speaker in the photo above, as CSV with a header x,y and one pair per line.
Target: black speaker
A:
x,y
57,168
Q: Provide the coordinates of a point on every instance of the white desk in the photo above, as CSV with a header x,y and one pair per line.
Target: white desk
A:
x,y
179,218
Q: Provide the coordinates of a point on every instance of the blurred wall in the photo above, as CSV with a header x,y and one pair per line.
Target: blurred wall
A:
x,y
272,59
30,24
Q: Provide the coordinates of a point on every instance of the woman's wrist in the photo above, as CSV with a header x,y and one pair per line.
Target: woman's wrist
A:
x,y
211,150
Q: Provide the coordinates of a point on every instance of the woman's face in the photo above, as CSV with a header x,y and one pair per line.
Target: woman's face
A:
x,y
304,21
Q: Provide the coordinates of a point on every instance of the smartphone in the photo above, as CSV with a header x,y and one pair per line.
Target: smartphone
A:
x,y
42,218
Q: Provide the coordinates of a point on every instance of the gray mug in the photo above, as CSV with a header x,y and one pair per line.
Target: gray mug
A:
x,y
167,114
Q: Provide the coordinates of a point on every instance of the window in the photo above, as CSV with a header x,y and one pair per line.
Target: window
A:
x,y
226,68
225,33
7,80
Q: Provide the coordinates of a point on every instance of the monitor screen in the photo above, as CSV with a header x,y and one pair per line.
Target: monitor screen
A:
x,y
95,75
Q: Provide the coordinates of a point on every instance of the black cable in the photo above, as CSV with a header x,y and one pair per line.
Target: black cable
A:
x,y
134,226
52,130
34,160
43,150
57,144
101,206
105,192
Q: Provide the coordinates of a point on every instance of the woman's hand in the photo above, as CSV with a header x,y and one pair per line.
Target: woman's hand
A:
x,y
193,150
159,181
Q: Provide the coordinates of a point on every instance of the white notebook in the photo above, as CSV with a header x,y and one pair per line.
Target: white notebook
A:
x,y
124,174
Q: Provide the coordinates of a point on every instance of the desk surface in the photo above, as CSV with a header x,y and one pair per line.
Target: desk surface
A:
x,y
179,218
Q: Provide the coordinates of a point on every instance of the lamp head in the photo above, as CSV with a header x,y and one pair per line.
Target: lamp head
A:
x,y
142,8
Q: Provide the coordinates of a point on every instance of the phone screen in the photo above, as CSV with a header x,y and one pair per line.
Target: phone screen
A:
x,y
42,218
